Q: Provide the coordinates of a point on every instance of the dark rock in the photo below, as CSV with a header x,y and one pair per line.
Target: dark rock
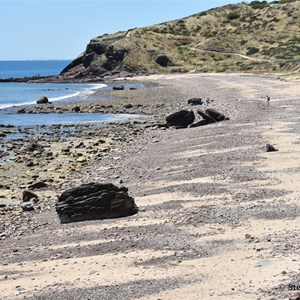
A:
x,y
128,106
21,111
118,88
215,114
211,115
80,145
164,61
42,100
206,117
182,118
271,148
28,195
76,109
195,101
37,185
95,201
34,147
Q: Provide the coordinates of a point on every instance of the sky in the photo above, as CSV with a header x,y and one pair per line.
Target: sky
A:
x,y
61,29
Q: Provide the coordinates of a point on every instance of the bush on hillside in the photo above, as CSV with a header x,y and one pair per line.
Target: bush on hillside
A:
x,y
233,15
258,4
252,50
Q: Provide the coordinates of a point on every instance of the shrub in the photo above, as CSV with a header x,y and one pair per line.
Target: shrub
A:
x,y
252,50
258,4
233,15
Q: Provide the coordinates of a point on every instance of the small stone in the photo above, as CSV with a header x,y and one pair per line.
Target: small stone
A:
x,y
270,148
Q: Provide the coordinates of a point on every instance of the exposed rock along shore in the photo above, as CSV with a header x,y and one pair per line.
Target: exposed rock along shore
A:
x,y
212,201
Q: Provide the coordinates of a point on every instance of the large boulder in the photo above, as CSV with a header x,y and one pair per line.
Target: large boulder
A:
x,y
94,201
182,118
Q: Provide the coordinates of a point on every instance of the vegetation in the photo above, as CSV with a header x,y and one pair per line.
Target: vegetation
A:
x,y
217,40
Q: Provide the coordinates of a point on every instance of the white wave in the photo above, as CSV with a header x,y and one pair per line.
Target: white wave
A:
x,y
92,88
64,97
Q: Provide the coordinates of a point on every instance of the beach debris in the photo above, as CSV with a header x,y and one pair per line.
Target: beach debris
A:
x,y
195,101
42,100
94,201
29,195
271,148
181,119
118,88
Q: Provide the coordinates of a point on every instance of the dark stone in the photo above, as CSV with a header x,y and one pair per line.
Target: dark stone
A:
x,y
182,118
271,148
128,106
76,109
28,195
195,101
118,88
37,185
80,145
35,147
164,61
21,111
94,201
215,114
211,115
206,117
42,100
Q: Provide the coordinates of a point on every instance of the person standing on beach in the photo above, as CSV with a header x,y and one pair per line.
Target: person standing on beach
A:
x,y
268,100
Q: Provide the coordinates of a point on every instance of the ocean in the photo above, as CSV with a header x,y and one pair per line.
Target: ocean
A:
x,y
16,94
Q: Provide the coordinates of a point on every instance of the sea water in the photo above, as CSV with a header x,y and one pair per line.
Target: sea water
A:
x,y
17,94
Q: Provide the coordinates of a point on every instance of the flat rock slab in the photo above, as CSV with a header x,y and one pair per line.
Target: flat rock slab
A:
x,y
94,201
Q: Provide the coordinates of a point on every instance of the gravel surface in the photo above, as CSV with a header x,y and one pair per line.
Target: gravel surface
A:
x,y
213,205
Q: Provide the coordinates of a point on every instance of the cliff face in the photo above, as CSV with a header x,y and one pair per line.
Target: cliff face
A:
x,y
245,37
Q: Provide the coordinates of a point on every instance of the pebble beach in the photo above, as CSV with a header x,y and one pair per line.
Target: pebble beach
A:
x,y
218,216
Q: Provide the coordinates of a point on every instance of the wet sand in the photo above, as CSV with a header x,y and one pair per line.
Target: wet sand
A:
x,y
218,216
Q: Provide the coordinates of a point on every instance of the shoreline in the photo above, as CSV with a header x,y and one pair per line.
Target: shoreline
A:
x,y
213,205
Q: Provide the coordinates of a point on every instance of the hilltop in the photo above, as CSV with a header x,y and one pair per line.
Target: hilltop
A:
x,y
254,37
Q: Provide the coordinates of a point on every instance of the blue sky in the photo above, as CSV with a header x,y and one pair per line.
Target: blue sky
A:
x,y
61,29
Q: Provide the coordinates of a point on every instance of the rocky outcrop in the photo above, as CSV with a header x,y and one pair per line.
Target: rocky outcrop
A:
x,y
100,59
182,118
95,201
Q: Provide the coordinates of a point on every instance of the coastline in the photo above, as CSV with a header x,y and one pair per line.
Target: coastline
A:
x,y
209,197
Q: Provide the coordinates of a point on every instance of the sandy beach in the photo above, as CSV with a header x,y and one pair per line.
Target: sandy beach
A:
x,y
218,215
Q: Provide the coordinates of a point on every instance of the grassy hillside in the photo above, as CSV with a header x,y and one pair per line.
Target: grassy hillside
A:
x,y
243,37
